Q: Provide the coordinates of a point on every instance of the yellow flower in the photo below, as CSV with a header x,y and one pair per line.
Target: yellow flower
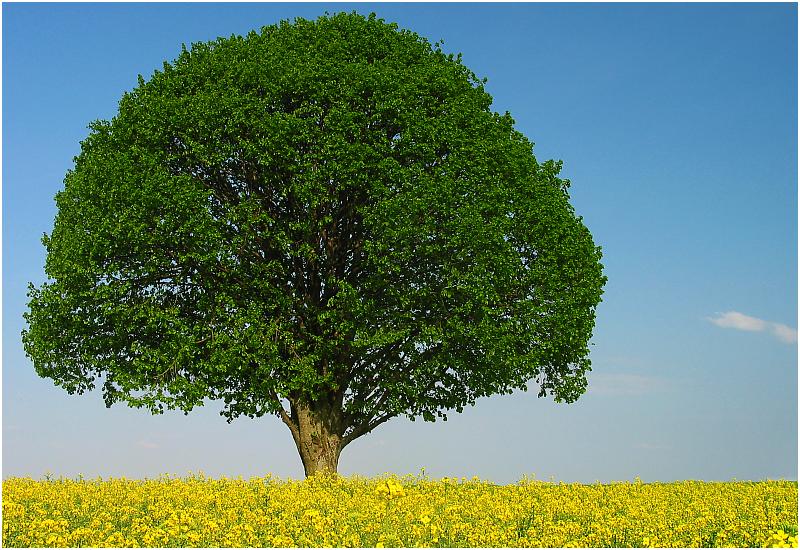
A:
x,y
391,489
338,511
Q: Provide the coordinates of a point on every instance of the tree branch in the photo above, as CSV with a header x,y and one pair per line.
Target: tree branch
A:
x,y
366,427
285,417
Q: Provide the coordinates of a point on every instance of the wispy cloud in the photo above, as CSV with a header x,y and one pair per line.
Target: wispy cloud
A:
x,y
622,384
740,321
784,333
147,444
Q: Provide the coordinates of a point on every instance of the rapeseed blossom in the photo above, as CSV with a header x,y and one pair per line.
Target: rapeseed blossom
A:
x,y
391,488
388,511
781,540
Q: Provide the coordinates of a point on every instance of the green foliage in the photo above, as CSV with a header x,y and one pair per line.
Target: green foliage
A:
x,y
325,211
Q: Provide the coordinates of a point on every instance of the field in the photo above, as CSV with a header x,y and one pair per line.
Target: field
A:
x,y
388,511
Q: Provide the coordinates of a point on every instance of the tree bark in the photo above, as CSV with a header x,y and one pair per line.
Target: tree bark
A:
x,y
318,437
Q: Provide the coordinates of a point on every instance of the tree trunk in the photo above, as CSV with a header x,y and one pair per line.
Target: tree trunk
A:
x,y
318,437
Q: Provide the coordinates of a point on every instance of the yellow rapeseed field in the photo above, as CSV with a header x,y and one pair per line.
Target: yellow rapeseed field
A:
x,y
388,511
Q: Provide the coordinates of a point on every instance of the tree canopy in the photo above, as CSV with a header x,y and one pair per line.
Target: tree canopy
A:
x,y
323,221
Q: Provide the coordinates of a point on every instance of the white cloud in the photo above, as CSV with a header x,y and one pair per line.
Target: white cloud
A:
x,y
740,321
784,333
147,444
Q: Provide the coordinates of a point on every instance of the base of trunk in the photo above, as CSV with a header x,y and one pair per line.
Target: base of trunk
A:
x,y
317,440
321,460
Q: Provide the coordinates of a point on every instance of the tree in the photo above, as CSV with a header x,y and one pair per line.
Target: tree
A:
x,y
324,221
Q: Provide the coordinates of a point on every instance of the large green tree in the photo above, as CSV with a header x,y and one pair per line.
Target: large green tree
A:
x,y
323,221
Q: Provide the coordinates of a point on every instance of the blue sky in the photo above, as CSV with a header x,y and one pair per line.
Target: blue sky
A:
x,y
677,124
